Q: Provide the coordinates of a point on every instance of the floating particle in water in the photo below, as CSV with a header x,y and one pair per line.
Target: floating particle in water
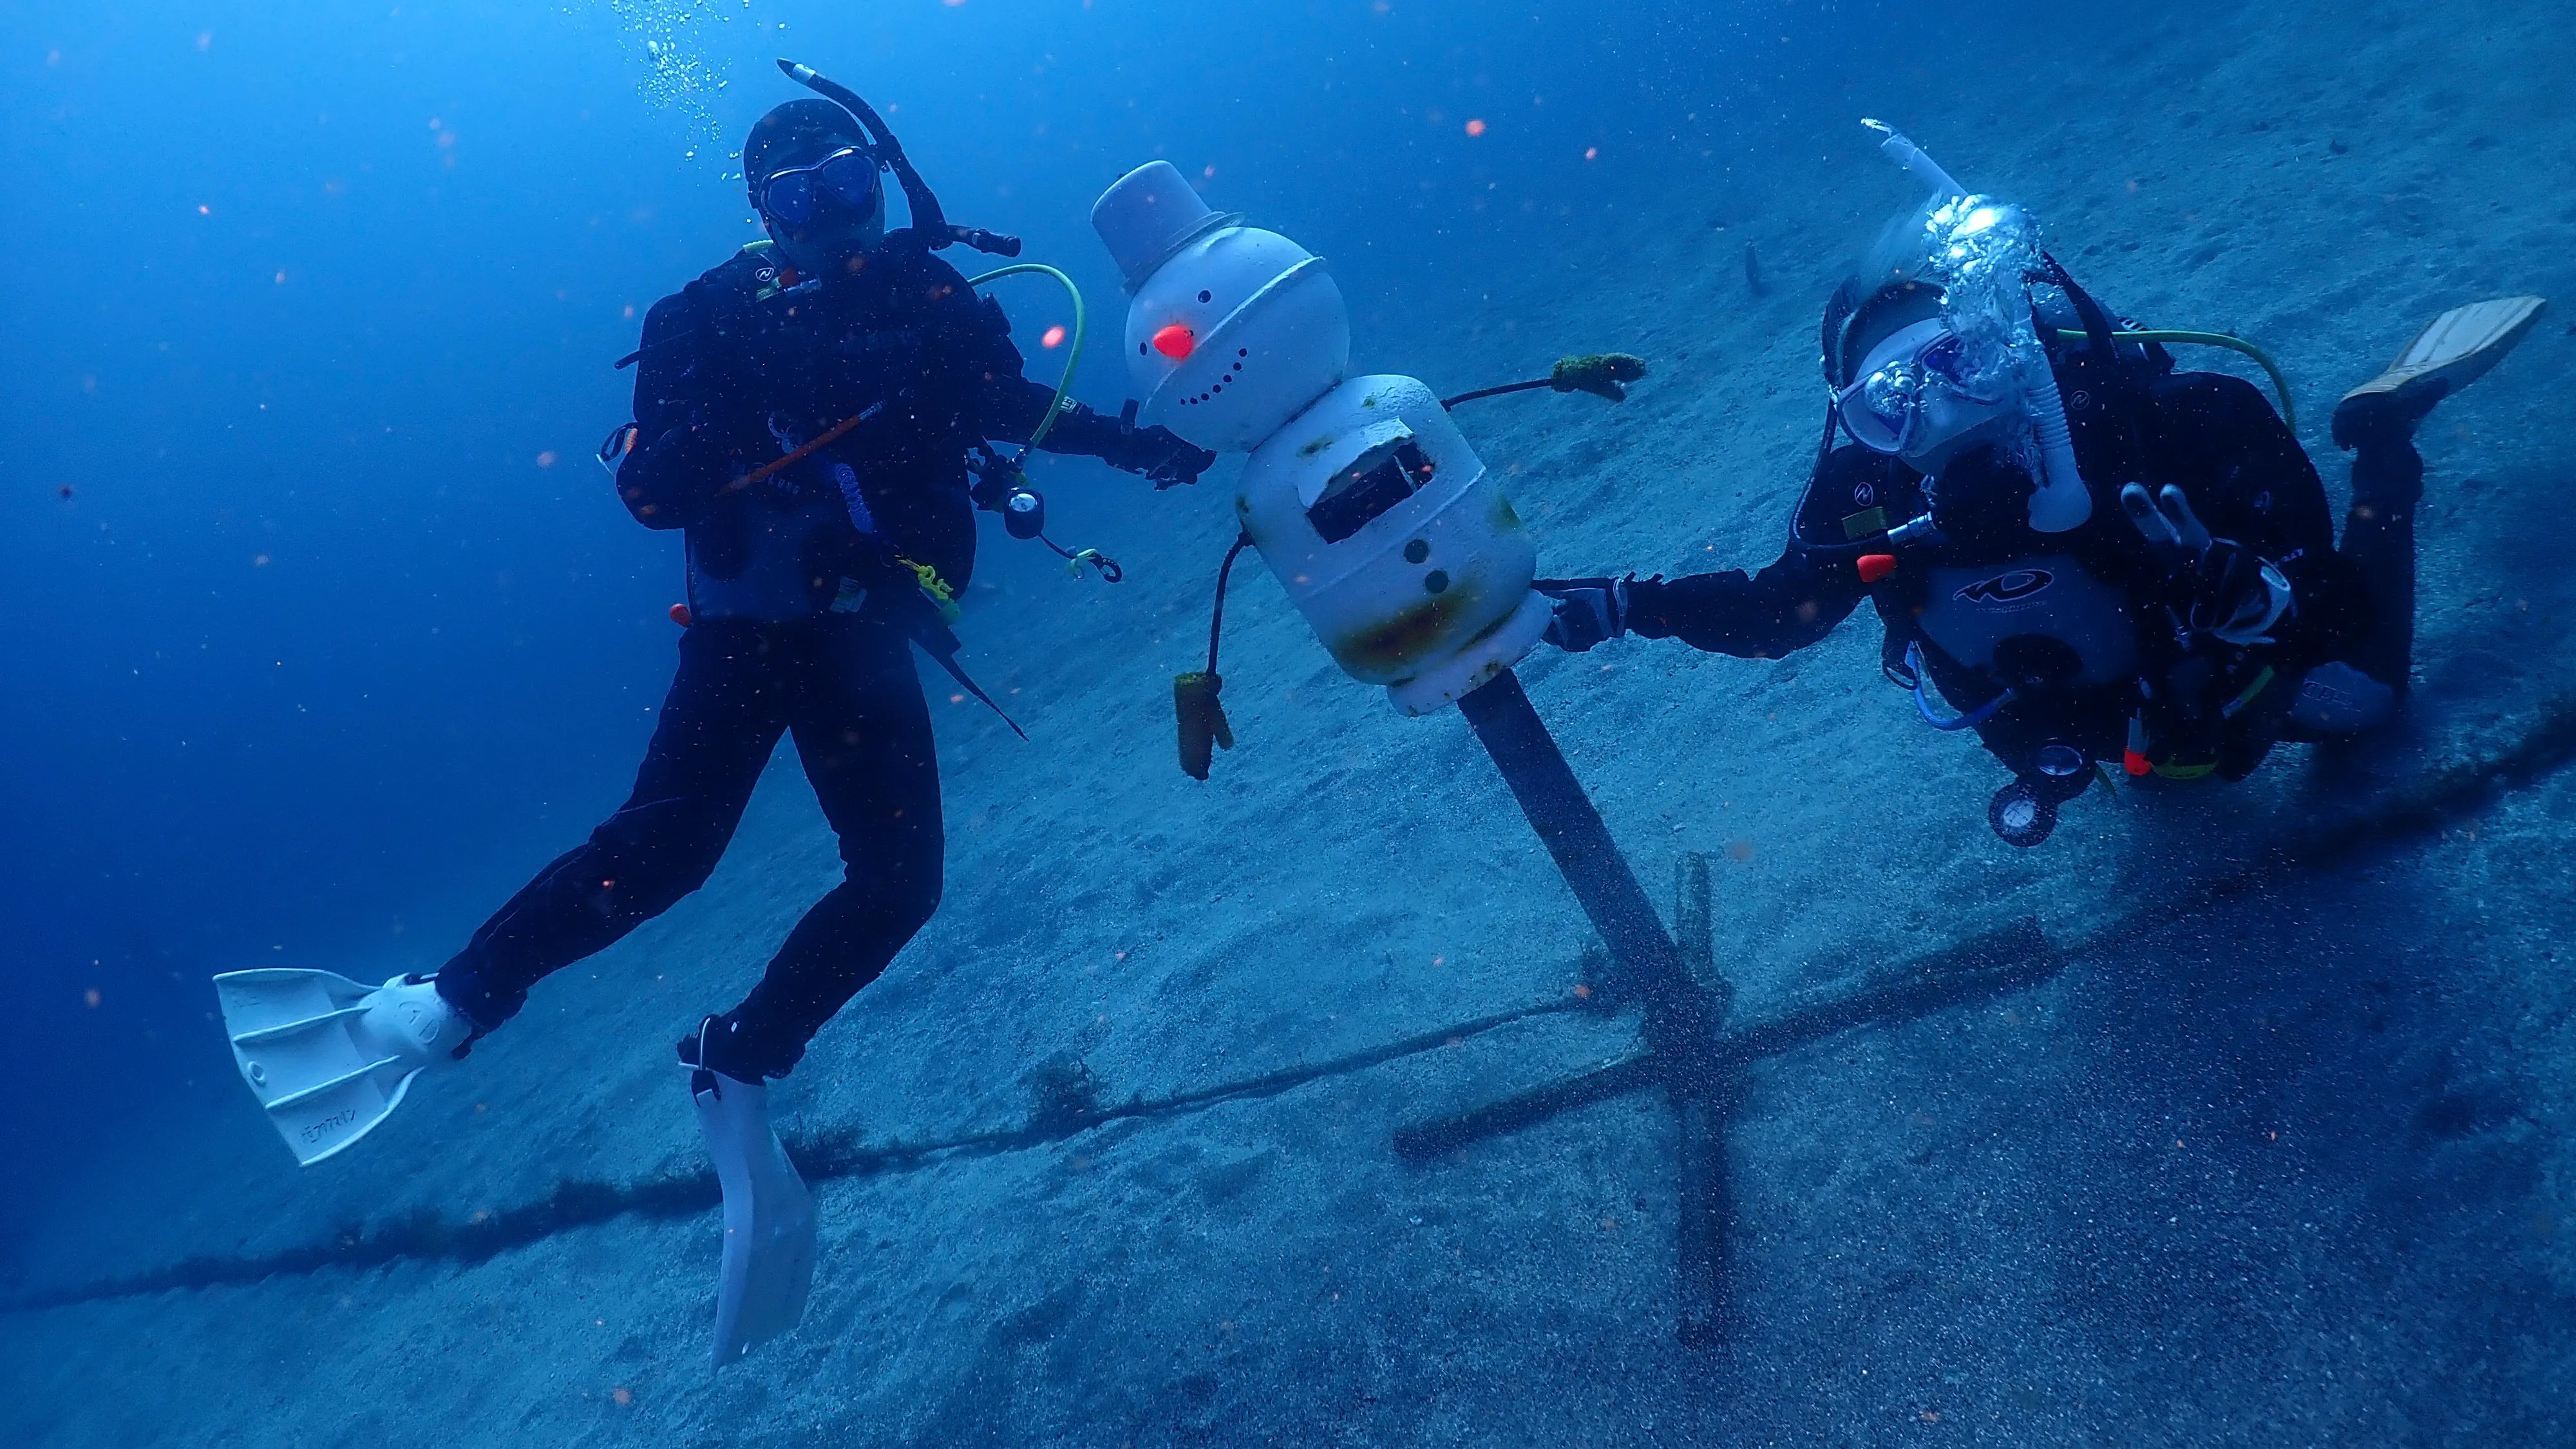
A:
x,y
1052,337
1475,128
64,492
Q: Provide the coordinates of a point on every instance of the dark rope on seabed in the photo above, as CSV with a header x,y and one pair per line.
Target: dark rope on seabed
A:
x,y
1909,991
580,1202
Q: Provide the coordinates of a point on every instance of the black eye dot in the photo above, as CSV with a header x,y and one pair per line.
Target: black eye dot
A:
x,y
1203,296
1243,352
1140,349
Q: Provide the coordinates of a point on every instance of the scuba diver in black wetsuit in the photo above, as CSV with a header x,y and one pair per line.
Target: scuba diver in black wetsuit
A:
x,y
804,415
806,584
2090,556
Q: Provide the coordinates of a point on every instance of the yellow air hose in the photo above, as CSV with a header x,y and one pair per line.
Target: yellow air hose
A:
x,y
1072,356
2280,382
1075,558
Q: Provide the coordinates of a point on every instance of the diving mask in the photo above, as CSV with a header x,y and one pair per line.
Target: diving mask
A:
x,y
1914,397
794,196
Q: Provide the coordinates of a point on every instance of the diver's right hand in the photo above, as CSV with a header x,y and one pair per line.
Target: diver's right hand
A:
x,y
1587,611
2227,590
1163,457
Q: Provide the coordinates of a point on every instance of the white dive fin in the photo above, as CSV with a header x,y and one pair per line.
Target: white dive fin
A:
x,y
769,1247
330,1058
2457,347
2454,350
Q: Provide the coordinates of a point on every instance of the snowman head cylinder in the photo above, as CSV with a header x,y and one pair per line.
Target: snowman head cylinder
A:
x,y
1365,500
1231,330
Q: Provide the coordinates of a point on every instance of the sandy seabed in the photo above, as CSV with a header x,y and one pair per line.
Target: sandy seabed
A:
x,y
2274,1152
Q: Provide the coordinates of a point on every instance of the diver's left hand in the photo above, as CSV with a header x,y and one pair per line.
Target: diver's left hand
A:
x,y
1162,456
2234,594
1586,612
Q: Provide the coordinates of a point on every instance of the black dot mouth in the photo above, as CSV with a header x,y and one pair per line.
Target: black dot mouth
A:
x,y
1217,387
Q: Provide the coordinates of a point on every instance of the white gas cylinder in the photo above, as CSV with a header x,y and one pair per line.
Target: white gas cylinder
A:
x,y
1363,497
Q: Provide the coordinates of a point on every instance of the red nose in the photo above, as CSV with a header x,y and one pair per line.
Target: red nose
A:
x,y
1175,342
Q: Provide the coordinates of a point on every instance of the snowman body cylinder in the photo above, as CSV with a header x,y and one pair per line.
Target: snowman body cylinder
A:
x,y
1364,499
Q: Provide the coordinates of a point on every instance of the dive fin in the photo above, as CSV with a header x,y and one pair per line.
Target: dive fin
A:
x,y
2454,350
330,1058
769,1243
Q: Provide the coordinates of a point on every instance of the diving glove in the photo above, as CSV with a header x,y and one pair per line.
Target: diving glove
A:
x,y
1587,611
2232,594
1164,457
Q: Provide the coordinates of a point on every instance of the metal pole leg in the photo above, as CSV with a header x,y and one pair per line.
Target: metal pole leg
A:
x,y
1700,1120
1586,856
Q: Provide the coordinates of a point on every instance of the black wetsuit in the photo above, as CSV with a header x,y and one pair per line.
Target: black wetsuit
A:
x,y
804,608
1992,605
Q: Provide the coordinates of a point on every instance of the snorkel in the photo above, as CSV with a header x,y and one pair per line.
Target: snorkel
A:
x,y
1982,251
930,225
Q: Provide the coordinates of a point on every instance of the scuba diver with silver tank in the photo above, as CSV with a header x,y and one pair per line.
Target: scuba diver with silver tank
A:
x,y
804,415
2093,558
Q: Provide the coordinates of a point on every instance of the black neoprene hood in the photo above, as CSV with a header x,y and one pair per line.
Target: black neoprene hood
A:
x,y
795,133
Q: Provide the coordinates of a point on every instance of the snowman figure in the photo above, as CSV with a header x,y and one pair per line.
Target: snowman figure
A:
x,y
1361,495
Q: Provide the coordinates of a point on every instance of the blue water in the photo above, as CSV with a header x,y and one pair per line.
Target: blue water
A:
x,y
316,329
328,632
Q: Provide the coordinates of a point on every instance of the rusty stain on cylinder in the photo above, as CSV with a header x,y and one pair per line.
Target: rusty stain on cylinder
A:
x,y
1399,642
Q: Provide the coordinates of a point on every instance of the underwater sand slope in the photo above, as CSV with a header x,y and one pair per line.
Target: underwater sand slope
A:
x,y
2290,1167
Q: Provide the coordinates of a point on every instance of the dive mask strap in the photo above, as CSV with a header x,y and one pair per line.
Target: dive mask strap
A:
x,y
2097,323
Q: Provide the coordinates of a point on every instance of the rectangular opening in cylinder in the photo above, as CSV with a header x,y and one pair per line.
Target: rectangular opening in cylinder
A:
x,y
1380,479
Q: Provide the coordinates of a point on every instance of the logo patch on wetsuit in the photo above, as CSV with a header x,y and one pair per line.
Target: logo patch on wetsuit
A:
x,y
2010,586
